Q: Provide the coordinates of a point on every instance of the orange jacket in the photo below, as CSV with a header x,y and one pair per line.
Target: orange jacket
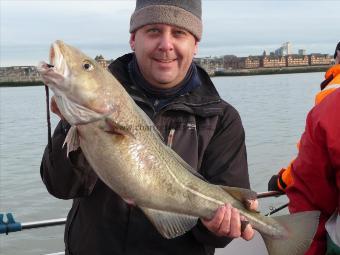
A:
x,y
285,178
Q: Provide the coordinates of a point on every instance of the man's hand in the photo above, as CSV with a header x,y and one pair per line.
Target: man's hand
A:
x,y
227,222
55,109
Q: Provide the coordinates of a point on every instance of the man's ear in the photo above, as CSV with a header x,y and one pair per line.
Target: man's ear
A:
x,y
132,41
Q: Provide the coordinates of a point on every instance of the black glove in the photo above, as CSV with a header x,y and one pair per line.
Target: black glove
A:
x,y
272,184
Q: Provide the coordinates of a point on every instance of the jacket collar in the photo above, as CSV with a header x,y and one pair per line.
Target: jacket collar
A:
x,y
205,95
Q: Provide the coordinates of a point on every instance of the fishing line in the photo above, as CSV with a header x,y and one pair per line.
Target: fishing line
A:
x,y
272,194
277,209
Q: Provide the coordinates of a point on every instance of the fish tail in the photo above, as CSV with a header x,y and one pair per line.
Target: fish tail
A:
x,y
301,228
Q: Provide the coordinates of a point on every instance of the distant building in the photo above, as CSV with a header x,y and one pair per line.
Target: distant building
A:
x,y
230,62
279,52
100,59
316,59
297,60
210,64
288,48
284,50
273,61
302,52
249,62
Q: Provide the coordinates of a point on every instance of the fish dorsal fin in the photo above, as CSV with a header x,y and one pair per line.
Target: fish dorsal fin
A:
x,y
183,163
72,140
169,224
240,194
167,148
243,195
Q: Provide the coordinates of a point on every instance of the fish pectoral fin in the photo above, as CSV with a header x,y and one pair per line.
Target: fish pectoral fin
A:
x,y
242,195
169,224
72,140
111,126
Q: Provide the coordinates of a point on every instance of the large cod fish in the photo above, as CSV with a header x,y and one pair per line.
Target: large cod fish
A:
x,y
137,165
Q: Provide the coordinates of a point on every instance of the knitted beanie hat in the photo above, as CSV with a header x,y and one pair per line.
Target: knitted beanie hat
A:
x,y
185,14
336,49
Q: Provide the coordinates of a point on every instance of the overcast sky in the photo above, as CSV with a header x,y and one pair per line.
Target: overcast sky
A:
x,y
238,27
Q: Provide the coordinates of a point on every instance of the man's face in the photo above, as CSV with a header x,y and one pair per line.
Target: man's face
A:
x,y
164,53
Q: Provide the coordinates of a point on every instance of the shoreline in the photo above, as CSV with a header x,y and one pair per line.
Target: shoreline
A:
x,y
20,84
269,71
236,72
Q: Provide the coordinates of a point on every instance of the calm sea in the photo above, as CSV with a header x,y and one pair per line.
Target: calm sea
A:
x,y
272,108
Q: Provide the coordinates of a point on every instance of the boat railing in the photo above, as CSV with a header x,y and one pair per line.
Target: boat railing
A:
x,y
10,225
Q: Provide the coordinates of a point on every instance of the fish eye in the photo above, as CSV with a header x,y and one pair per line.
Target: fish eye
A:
x,y
88,66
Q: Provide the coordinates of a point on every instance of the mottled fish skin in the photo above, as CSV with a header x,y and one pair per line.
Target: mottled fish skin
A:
x,y
143,170
126,151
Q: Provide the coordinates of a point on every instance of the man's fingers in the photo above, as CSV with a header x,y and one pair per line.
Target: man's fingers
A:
x,y
228,222
244,224
224,227
248,232
214,224
252,205
235,224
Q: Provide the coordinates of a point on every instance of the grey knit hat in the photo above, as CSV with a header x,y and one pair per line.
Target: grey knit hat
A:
x,y
185,14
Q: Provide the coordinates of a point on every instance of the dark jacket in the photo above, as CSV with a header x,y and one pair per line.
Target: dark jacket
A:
x,y
208,134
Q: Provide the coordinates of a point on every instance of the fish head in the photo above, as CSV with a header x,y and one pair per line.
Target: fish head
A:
x,y
84,90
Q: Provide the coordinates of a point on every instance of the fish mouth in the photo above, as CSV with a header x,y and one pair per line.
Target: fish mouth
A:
x,y
56,57
56,72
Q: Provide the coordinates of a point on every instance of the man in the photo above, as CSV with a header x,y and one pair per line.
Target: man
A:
x,y
184,105
315,173
282,180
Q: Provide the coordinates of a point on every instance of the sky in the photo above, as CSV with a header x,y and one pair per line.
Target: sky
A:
x,y
241,28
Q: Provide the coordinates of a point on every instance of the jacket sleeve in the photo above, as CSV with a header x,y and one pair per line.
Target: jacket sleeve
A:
x,y
316,170
224,163
282,180
66,177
